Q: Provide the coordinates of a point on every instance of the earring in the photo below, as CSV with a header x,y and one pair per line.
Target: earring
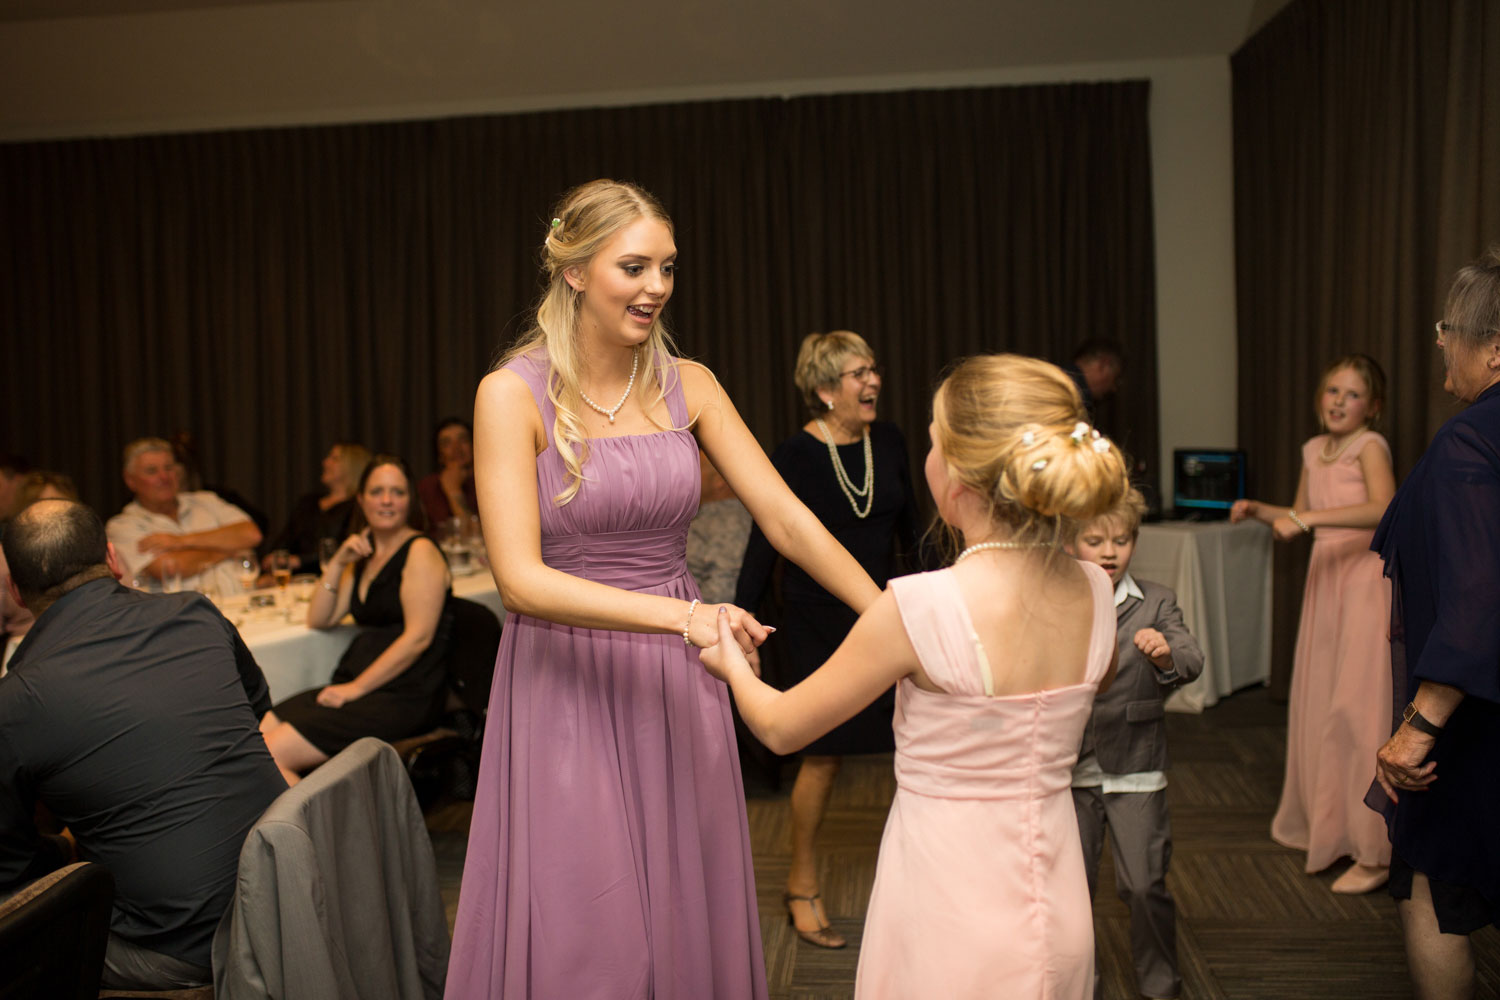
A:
x,y
829,402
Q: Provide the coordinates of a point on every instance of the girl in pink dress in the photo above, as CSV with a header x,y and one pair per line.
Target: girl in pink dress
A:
x,y
980,885
1340,710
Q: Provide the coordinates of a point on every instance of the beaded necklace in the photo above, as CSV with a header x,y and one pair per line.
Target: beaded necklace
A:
x,y
842,475
966,553
635,361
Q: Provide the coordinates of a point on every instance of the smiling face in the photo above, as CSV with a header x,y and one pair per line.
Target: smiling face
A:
x,y
855,394
386,500
626,284
152,477
1344,405
1105,543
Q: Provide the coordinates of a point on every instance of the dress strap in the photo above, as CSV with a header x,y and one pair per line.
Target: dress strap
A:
x,y
671,380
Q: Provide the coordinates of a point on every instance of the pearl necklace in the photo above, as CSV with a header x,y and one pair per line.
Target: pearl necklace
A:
x,y
842,475
966,553
635,360
1323,454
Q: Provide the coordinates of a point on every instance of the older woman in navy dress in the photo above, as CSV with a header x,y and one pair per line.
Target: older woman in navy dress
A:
x,y
1440,540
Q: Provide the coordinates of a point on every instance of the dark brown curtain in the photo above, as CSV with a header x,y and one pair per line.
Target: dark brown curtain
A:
x,y
1367,170
276,290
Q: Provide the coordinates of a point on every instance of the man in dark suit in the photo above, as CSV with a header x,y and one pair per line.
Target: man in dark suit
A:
x,y
1120,779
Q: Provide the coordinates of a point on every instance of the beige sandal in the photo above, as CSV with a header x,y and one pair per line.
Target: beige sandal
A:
x,y
825,936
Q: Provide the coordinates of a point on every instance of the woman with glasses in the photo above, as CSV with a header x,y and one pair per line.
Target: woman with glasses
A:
x,y
854,474
1440,539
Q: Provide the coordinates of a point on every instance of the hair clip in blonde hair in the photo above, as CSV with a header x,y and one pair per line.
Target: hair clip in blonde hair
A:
x,y
1080,431
1101,444
556,223
1039,465
1028,439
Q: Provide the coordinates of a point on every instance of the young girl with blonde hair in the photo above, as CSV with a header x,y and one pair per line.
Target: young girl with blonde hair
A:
x,y
1340,707
608,853
980,884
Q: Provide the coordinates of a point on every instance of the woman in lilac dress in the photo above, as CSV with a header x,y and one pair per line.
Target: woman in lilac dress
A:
x,y
609,855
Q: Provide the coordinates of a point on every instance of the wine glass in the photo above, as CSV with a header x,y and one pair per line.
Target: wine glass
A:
x,y
281,568
249,570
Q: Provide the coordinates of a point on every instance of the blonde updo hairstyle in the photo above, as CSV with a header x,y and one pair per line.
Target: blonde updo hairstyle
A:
x,y
586,219
1009,430
821,358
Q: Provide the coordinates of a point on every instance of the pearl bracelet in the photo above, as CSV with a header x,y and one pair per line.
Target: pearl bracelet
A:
x,y
1298,521
689,623
331,588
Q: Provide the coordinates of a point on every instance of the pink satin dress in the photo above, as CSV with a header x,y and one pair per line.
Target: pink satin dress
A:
x,y
980,889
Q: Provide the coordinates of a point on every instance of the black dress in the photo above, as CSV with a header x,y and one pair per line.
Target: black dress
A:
x,y
814,622
408,704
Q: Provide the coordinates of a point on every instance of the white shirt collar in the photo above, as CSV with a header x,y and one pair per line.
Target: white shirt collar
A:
x,y
1127,587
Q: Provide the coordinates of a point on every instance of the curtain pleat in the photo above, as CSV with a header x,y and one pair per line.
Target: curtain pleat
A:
x,y
1367,142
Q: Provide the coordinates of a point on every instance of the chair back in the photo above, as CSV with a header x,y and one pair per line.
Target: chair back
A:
x,y
337,895
53,934
473,641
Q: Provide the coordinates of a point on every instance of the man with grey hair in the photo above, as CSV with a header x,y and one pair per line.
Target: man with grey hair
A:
x,y
134,719
165,534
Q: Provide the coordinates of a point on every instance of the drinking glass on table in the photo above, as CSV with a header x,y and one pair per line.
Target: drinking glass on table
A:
x,y
248,569
281,568
451,540
171,582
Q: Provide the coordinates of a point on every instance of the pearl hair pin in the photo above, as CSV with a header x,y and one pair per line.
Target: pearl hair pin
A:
x,y
635,361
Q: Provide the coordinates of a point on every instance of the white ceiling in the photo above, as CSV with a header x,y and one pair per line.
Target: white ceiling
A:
x,y
81,66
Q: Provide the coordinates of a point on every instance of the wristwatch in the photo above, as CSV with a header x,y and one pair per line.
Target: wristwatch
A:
x,y
1418,721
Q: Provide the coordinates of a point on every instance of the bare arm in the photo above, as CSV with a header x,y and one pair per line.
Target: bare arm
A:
x,y
794,530
424,587
508,436
196,550
1270,513
876,654
330,601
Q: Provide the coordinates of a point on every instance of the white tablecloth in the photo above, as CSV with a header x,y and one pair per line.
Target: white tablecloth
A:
x,y
294,657
1222,575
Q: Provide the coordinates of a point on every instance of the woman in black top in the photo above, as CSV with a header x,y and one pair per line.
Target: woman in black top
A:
x,y
321,515
390,681
855,476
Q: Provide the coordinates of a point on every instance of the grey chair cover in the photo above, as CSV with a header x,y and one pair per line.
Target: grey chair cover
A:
x,y
337,897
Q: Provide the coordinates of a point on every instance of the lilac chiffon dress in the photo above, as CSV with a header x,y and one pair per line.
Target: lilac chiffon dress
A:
x,y
609,855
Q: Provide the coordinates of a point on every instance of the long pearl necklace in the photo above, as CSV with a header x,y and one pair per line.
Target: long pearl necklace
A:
x,y
635,361
842,474
966,553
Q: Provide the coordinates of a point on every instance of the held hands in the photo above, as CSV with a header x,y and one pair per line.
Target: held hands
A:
x,y
339,695
726,655
703,629
1154,646
1242,510
1398,764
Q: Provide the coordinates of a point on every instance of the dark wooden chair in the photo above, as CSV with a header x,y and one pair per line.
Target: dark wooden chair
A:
x,y
53,934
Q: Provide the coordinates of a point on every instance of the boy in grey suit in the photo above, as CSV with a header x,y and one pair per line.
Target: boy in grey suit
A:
x,y
1120,778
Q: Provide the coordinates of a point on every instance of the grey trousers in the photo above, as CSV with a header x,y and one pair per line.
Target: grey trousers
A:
x,y
128,966
1140,840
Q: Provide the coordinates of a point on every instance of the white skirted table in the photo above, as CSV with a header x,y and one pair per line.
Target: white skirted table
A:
x,y
294,657
1222,575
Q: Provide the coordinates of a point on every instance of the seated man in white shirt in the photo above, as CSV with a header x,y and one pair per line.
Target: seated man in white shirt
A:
x,y
165,534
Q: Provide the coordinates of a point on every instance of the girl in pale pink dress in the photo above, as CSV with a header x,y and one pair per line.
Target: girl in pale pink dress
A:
x,y
980,888
1340,710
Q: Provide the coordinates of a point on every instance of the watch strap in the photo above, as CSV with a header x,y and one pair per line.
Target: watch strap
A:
x,y
1420,722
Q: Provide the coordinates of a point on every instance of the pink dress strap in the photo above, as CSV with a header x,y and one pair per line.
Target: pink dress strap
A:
x,y
932,610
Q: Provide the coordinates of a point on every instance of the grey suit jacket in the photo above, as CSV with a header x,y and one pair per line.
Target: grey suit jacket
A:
x,y
1127,731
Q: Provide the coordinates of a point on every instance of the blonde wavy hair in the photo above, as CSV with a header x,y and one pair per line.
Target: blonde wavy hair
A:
x,y
819,360
1009,428
584,220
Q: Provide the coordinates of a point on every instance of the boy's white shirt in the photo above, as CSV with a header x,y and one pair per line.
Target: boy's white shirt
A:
x,y
1086,773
